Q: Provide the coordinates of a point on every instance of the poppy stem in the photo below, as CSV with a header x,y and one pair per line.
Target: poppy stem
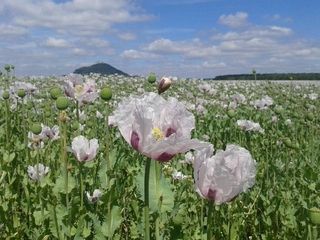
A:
x,y
146,201
210,221
81,186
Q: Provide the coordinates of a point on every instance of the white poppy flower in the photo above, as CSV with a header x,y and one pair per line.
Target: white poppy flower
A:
x,y
35,141
83,149
250,126
156,127
95,196
222,177
50,133
37,171
82,91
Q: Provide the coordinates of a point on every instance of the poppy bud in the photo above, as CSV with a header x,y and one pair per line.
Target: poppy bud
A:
x,y
164,84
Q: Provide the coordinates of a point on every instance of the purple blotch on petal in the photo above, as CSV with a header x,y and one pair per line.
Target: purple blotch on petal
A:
x,y
170,131
135,140
165,157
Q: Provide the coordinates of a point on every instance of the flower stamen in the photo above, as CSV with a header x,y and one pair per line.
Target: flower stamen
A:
x,y
157,134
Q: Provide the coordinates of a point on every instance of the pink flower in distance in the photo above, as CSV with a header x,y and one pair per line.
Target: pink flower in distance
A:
x,y
220,178
156,127
84,150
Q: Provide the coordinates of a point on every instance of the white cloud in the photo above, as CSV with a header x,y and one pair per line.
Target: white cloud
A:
x,y
234,20
213,65
134,54
80,52
56,42
7,30
127,36
76,16
192,49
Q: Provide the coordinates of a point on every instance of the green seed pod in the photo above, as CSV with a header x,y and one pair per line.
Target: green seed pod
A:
x,y
152,78
231,113
55,93
106,93
5,95
62,103
314,214
310,116
287,142
21,93
36,128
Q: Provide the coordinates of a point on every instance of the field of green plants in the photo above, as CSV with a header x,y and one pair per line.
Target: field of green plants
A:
x,y
89,158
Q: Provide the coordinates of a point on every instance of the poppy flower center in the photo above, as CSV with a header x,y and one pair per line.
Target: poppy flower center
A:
x,y
157,134
78,89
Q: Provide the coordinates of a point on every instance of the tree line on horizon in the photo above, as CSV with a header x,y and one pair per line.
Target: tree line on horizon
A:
x,y
269,76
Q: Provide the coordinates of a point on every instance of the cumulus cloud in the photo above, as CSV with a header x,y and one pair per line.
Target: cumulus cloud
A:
x,y
56,42
192,49
127,36
207,64
135,54
236,20
7,30
76,16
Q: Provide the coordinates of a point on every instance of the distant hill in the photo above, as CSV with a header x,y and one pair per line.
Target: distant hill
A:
x,y
271,76
102,68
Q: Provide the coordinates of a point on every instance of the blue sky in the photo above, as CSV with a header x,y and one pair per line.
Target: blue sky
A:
x,y
186,38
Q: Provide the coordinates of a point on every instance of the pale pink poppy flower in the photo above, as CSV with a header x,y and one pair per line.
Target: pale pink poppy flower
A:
x,y
96,195
50,133
80,90
221,177
249,126
84,150
156,127
37,171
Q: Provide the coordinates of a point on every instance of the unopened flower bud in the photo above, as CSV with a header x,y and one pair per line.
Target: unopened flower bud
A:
x,y
152,78
62,103
106,93
21,93
164,84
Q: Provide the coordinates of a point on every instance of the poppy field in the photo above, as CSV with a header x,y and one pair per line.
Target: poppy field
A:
x,y
113,157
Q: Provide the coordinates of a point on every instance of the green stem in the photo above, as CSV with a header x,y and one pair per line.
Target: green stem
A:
x,y
201,219
81,187
157,221
77,110
56,222
64,158
7,123
146,201
210,221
